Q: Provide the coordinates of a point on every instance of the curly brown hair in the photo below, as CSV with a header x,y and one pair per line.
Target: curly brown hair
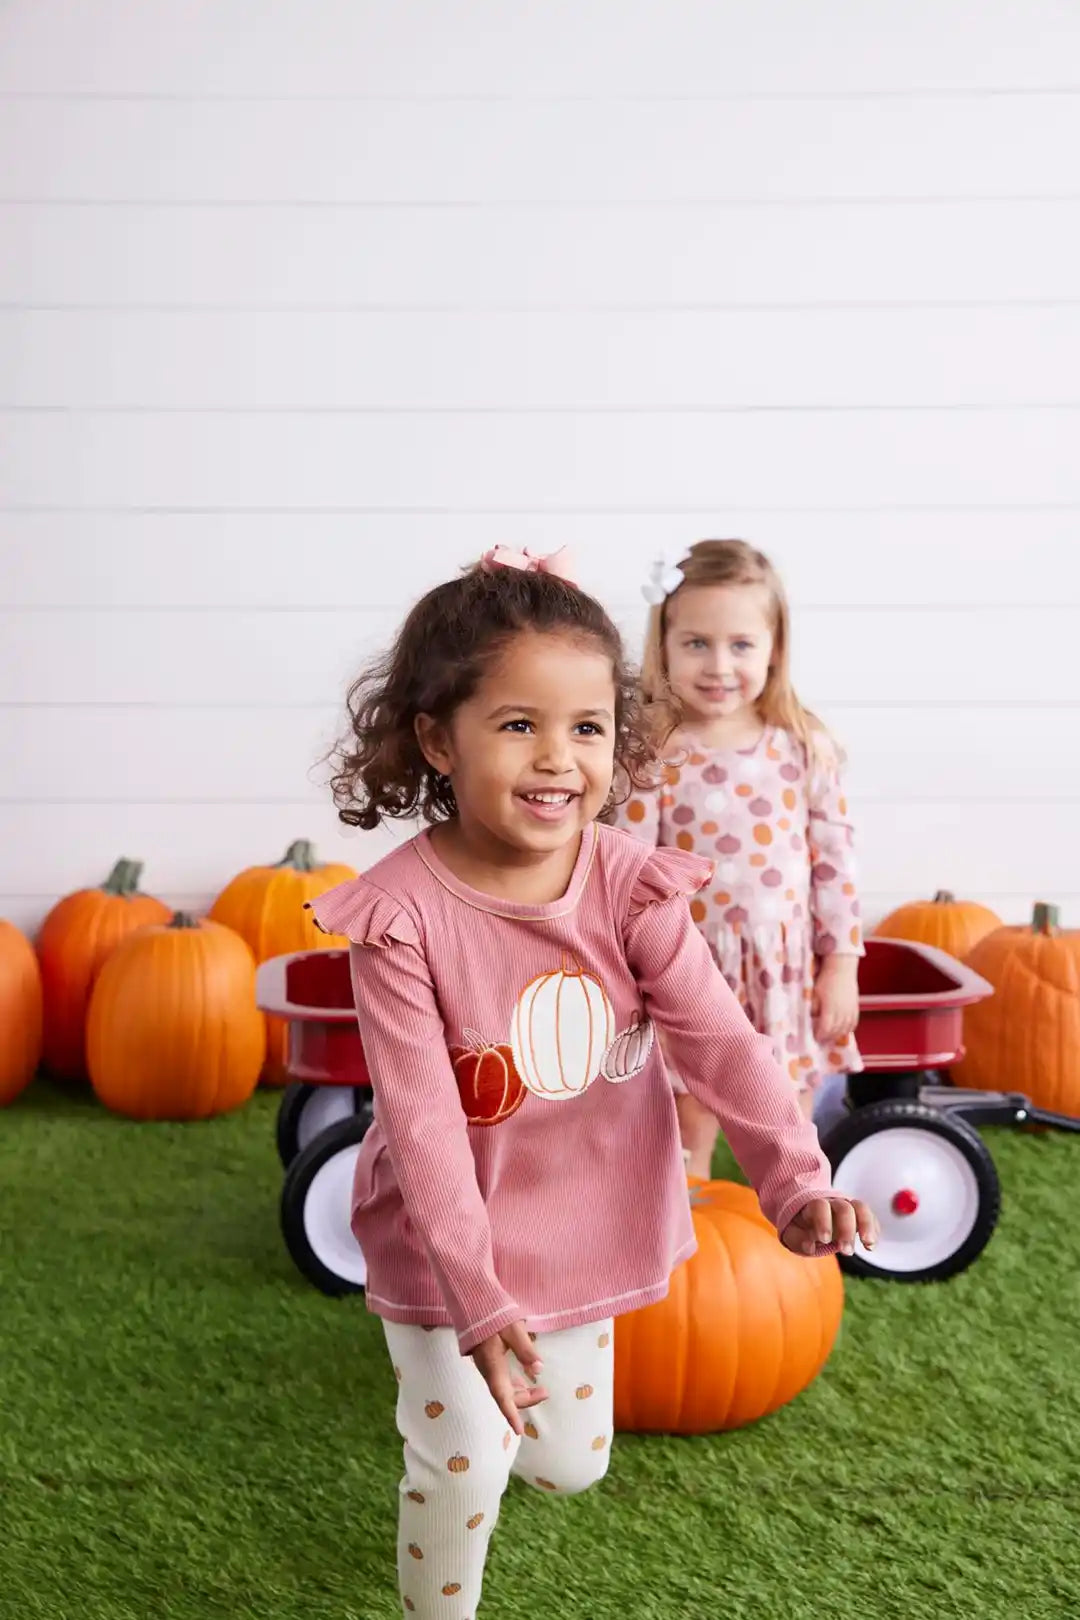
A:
x,y
447,642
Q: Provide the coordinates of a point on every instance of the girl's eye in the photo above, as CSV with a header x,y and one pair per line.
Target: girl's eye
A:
x,y
520,726
743,646
589,728
696,644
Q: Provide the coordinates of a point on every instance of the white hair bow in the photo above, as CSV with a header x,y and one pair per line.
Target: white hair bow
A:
x,y
665,576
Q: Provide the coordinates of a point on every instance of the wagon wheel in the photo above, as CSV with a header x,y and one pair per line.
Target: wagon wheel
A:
x,y
315,1204
305,1110
931,1182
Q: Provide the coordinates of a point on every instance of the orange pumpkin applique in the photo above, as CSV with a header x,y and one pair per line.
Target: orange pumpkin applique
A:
x,y
458,1464
475,1522
434,1409
488,1081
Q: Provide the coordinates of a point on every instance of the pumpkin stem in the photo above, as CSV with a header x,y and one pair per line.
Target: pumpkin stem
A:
x,y
123,879
182,919
300,855
944,897
1045,919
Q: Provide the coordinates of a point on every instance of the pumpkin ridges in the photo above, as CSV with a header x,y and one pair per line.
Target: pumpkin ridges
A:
x,y
75,940
749,1322
171,1033
952,925
1026,1037
21,1012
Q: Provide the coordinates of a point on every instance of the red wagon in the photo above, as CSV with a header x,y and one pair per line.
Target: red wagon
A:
x,y
905,1142
324,1113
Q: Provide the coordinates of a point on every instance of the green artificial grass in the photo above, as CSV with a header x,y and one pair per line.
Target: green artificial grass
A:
x,y
187,1429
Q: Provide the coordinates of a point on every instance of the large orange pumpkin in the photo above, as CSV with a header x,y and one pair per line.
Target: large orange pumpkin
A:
x,y
1026,1036
20,1012
746,1326
265,906
173,1030
952,925
76,938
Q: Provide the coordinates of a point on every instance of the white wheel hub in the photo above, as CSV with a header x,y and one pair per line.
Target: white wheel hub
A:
x,y
922,1190
324,1107
326,1217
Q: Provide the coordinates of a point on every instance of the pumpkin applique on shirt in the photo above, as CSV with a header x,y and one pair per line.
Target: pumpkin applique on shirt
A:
x,y
563,1037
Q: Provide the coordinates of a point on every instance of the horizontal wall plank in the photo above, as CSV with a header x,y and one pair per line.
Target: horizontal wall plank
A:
x,y
478,47
233,560
909,849
498,258
227,755
499,461
493,151
986,356
957,655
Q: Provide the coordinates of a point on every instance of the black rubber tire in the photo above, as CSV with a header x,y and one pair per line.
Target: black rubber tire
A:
x,y
294,1100
884,1116
298,1178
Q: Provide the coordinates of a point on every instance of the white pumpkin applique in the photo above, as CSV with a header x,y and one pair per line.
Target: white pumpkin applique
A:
x,y
562,1026
629,1052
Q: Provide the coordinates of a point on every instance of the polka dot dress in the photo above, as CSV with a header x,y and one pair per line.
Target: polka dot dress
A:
x,y
784,890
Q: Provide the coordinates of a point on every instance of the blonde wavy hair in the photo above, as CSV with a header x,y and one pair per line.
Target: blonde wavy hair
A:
x,y
732,562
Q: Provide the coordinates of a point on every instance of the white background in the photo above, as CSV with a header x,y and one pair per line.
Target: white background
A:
x,y
302,307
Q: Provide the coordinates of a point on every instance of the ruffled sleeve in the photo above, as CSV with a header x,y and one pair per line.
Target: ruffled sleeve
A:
x,y
667,874
364,914
418,1105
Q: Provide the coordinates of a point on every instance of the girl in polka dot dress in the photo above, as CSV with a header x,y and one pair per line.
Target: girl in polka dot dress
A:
x,y
753,783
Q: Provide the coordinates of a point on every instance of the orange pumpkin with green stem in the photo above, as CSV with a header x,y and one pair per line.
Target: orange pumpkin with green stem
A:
x,y
77,937
20,1012
265,906
173,1030
1026,1036
745,1327
949,924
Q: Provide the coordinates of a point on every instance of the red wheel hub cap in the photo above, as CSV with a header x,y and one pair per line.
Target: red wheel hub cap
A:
x,y
906,1202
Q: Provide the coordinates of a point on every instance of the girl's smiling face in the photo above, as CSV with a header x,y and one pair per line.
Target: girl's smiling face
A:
x,y
531,754
718,649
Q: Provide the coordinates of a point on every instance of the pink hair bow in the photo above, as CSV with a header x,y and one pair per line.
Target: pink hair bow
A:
x,y
556,563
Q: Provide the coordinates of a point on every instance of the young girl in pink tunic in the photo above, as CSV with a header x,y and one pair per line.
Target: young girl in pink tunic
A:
x,y
523,1183
753,784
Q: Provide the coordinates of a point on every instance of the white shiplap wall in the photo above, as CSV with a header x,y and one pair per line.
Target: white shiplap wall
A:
x,y
301,307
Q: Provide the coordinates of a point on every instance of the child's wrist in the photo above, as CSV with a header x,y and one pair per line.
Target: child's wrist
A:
x,y
845,963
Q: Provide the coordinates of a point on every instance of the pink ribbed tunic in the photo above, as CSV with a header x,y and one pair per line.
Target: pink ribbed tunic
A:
x,y
525,1160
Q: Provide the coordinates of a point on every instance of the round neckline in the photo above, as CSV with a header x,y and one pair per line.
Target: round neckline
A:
x,y
494,904
696,744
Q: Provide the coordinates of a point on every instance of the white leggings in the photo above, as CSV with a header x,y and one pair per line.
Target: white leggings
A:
x,y
460,1452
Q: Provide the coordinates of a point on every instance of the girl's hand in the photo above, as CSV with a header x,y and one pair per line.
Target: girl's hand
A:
x,y
511,1395
830,1220
836,999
